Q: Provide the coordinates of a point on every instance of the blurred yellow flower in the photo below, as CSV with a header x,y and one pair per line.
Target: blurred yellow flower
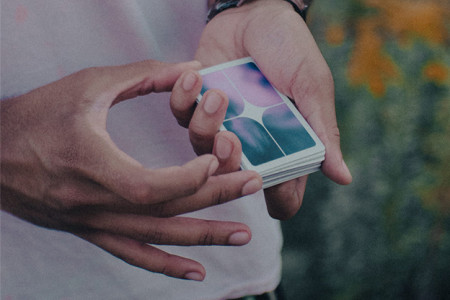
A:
x,y
403,20
408,19
369,64
436,72
335,34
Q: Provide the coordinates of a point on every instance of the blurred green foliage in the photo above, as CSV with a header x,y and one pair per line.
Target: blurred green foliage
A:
x,y
387,235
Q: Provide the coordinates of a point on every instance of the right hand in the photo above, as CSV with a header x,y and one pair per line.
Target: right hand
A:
x,y
61,170
294,66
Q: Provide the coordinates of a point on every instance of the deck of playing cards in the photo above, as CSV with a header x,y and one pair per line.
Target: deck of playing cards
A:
x,y
276,140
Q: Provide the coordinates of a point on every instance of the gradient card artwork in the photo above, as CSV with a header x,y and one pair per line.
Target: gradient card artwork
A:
x,y
273,133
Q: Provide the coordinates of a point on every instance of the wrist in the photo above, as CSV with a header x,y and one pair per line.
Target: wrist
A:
x,y
218,6
300,7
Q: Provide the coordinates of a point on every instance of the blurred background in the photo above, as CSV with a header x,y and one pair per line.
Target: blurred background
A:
x,y
387,235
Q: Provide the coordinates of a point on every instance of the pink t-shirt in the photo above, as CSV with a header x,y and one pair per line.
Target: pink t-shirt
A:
x,y
44,40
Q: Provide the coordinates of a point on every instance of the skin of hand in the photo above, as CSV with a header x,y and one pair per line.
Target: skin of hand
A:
x,y
61,170
281,44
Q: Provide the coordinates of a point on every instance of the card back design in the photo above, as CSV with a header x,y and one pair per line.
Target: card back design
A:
x,y
272,131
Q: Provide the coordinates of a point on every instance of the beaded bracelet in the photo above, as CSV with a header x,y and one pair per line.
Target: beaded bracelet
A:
x,y
221,5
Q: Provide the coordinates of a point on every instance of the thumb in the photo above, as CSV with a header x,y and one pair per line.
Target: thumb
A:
x,y
120,174
334,166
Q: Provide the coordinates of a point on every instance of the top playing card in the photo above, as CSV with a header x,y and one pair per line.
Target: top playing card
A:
x,y
270,128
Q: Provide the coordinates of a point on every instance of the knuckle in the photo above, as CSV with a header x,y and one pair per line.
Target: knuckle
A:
x,y
206,238
59,197
141,193
198,131
153,189
220,196
167,266
193,181
192,176
165,270
143,190
154,236
129,259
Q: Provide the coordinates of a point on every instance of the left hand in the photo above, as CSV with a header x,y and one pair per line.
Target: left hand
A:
x,y
61,170
279,41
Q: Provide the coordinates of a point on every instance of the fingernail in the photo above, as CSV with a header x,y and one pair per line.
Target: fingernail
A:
x,y
194,276
251,187
212,104
223,148
189,81
213,167
239,238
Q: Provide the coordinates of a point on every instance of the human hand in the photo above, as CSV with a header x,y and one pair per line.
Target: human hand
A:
x,y
279,41
61,170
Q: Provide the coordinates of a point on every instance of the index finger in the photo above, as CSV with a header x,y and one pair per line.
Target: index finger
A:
x,y
183,97
143,77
